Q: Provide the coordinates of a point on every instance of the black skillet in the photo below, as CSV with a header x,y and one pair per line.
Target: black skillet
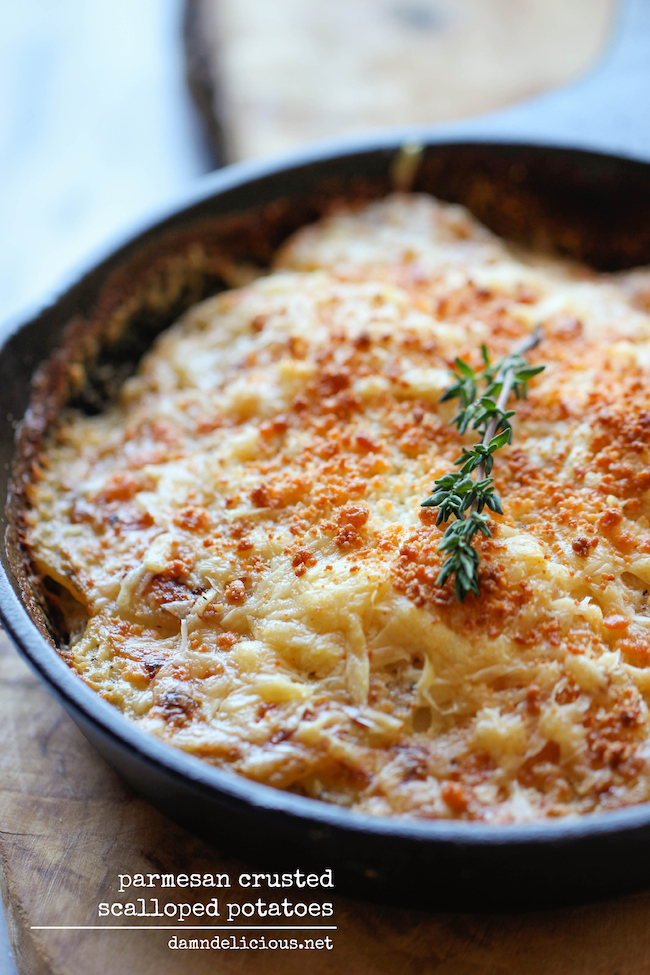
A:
x,y
567,169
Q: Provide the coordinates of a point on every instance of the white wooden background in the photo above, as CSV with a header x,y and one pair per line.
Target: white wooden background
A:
x,y
95,131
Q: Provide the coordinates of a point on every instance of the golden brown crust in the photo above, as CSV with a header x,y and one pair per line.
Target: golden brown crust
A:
x,y
244,536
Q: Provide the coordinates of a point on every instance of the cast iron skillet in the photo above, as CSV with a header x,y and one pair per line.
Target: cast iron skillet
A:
x,y
518,174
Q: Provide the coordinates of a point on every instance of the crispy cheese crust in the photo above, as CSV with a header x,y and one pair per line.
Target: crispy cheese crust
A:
x,y
246,571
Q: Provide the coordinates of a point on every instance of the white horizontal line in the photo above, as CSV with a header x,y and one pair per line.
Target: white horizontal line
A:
x,y
183,927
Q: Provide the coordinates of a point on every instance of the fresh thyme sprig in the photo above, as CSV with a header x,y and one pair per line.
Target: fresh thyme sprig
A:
x,y
465,493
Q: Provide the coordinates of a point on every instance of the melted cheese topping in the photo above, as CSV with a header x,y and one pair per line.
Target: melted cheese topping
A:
x,y
243,531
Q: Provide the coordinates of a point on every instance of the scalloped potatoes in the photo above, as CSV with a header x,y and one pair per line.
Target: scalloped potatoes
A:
x,y
247,572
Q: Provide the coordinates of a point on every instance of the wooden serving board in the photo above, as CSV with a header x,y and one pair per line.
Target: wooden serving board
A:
x,y
68,826
272,74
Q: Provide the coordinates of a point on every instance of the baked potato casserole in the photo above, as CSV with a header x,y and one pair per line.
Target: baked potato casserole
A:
x,y
242,565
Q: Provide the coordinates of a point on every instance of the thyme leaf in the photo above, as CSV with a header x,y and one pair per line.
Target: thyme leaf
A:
x,y
466,493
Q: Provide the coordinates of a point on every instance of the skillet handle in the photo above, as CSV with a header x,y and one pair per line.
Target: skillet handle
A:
x,y
608,110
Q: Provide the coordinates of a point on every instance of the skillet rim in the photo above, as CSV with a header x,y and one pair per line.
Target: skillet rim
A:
x,y
79,699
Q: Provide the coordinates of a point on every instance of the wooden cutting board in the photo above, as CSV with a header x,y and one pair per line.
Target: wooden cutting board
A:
x,y
273,74
68,826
